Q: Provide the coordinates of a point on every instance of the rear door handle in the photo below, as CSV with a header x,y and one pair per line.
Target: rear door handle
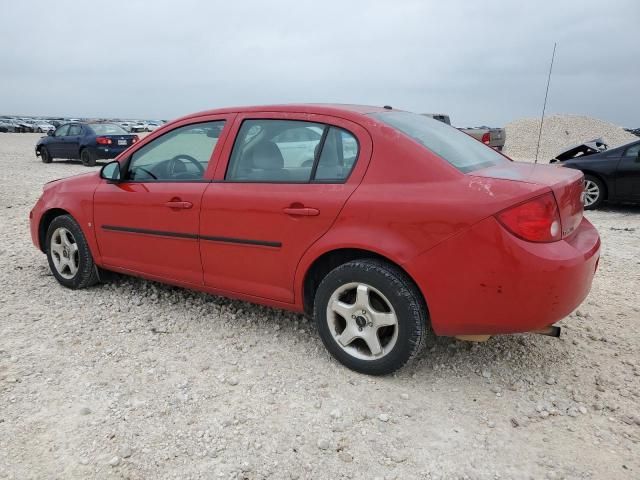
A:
x,y
302,211
178,204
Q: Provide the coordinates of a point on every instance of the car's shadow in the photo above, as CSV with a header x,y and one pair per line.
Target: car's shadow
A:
x,y
515,356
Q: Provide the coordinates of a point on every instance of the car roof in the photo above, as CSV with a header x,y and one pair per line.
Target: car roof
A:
x,y
335,109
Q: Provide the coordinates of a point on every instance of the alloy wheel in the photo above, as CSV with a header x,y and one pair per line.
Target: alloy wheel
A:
x,y
64,253
591,193
362,321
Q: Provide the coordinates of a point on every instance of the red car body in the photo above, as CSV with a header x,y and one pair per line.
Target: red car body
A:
x,y
402,202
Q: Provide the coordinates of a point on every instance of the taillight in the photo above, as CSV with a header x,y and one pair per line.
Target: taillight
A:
x,y
486,138
134,139
537,220
103,141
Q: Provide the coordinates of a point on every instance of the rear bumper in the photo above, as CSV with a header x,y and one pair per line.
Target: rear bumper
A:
x,y
108,152
486,281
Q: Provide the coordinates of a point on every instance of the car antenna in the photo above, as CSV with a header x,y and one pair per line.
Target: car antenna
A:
x,y
544,105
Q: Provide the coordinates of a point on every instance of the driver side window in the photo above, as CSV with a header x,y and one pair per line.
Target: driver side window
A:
x,y
181,154
62,131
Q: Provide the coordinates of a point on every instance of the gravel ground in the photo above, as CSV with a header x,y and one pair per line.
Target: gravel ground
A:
x,y
134,379
559,132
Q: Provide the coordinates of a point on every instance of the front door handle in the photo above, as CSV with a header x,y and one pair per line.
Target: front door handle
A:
x,y
178,204
302,211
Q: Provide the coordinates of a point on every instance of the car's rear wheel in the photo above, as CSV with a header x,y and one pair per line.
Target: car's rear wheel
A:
x,y
370,316
594,192
87,158
45,156
69,257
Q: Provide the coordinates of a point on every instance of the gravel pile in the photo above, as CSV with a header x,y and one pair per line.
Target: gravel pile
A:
x,y
137,380
559,132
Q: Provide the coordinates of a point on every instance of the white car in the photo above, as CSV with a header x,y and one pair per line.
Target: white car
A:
x,y
41,126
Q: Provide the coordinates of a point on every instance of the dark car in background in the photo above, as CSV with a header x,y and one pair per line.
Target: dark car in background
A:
x,y
87,142
609,175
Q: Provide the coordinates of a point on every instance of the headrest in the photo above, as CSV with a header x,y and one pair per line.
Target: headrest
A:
x,y
267,156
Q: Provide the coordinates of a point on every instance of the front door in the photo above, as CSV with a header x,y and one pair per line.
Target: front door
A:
x,y
148,223
628,174
281,189
55,145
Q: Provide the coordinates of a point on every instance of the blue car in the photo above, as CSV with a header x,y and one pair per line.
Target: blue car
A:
x,y
87,142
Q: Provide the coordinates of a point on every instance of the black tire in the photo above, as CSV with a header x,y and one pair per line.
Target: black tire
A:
x,y
87,272
45,156
404,298
87,158
594,184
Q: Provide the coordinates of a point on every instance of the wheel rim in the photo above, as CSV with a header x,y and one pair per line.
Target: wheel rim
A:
x,y
64,253
362,321
84,157
591,193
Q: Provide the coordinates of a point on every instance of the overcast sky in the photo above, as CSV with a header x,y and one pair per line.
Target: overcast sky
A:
x,y
482,62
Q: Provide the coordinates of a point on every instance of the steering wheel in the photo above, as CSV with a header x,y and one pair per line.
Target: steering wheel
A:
x,y
180,158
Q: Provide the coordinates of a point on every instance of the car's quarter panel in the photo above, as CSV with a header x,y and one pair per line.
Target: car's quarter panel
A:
x,y
137,229
73,195
249,243
487,281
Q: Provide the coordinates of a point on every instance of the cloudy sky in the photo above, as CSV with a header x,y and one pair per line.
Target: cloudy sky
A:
x,y
482,61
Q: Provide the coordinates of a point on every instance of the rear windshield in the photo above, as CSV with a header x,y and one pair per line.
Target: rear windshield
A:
x,y
459,149
108,129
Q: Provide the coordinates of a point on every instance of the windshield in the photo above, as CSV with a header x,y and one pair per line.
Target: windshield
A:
x,y
459,149
108,129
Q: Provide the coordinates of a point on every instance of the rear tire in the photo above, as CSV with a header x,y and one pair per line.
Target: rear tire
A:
x,y
69,257
87,158
45,156
594,192
370,316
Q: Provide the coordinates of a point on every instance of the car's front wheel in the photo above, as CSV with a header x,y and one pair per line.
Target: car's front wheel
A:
x,y
45,156
370,316
87,158
594,192
69,257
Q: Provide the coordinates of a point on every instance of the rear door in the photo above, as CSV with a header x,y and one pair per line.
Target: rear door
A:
x,y
628,174
279,187
149,222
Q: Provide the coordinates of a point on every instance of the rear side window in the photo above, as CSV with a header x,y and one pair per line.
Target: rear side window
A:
x,y
449,143
291,151
75,130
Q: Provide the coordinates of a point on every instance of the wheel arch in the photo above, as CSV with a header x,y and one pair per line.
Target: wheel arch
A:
x,y
332,258
45,221
600,177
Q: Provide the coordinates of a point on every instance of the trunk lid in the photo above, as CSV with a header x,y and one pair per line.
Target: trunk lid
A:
x,y
566,184
120,140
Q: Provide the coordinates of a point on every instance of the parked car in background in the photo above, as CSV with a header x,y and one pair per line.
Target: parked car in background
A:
x,y
87,142
397,222
493,137
139,127
609,175
41,126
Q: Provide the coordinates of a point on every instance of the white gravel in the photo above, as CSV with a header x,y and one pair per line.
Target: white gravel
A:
x,y
559,132
138,380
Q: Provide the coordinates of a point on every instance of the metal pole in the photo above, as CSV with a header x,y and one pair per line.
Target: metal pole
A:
x,y
544,106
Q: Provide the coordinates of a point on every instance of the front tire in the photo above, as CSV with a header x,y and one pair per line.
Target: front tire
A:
x,y
69,257
45,156
594,192
87,158
370,316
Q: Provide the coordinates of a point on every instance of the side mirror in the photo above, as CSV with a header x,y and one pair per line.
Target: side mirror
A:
x,y
111,172
50,133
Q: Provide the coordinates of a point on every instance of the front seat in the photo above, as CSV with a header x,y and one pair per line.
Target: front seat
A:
x,y
268,162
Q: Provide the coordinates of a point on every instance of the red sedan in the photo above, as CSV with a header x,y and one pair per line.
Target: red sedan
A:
x,y
375,221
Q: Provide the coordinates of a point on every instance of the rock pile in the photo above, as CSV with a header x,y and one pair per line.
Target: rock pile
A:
x,y
559,132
